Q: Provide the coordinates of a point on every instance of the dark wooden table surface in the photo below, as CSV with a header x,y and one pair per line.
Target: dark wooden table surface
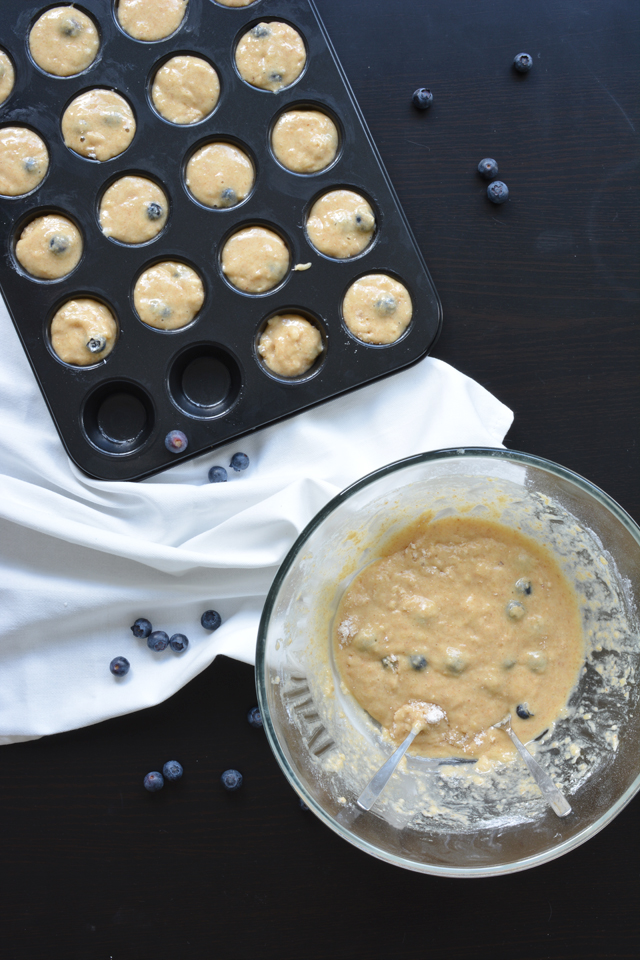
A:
x,y
540,302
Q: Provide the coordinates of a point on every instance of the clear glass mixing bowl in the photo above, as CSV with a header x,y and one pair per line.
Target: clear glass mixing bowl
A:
x,y
450,820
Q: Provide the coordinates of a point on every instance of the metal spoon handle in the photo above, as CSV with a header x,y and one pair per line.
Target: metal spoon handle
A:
x,y
378,782
556,800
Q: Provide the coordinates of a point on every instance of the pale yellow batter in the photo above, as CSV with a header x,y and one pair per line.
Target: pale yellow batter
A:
x,y
7,76
98,124
24,161
377,309
49,247
83,332
305,141
150,19
271,56
219,175
133,210
341,224
467,615
185,89
289,345
255,259
168,295
235,3
64,41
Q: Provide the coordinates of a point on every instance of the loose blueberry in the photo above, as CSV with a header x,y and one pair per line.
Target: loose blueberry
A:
x,y
498,192
239,461
488,168
141,628
96,344
179,643
418,662
172,770
522,62
524,586
176,441
515,610
255,717
70,28
59,245
30,164
217,475
211,619
422,98
228,198
261,30
154,781
158,641
523,711
386,305
119,666
231,779
154,210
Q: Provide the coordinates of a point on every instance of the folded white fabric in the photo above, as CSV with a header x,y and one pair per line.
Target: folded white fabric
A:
x,y
81,559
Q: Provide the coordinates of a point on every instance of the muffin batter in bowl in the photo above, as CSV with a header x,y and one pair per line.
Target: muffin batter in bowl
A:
x,y
467,614
271,56
341,224
7,76
133,210
377,309
305,141
255,259
219,175
168,295
49,247
150,20
83,332
185,90
64,41
289,345
24,161
98,124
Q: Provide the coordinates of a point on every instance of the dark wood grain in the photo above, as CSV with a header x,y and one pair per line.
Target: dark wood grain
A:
x,y
540,302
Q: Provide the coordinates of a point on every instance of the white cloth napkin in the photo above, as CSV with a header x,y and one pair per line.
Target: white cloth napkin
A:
x,y
82,559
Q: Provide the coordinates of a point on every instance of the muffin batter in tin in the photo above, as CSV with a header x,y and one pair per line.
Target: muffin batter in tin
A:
x,y
83,332
219,175
133,210
168,295
377,309
150,19
341,224
98,124
305,141
255,259
235,3
49,247
271,56
7,76
64,41
24,161
289,345
185,90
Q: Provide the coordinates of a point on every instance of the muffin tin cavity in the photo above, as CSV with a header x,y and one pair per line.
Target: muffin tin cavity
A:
x,y
205,381
377,309
7,77
118,417
341,224
192,229
270,56
83,331
64,41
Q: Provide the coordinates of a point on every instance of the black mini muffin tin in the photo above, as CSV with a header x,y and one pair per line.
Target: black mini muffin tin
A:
x,y
206,379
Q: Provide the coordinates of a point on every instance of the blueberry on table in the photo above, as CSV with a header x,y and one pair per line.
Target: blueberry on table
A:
x,y
217,475
255,717
179,643
522,62
158,641
176,441
231,780
498,192
488,168
211,619
154,781
422,98
154,210
141,628
119,666
523,711
172,770
239,461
